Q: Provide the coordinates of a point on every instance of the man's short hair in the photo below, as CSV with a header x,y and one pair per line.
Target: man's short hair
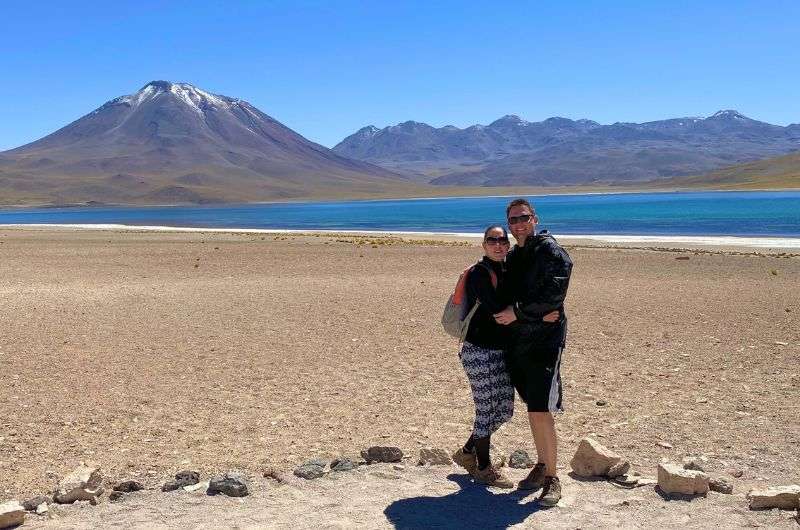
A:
x,y
519,202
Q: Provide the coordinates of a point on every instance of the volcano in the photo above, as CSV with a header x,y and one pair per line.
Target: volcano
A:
x,y
176,143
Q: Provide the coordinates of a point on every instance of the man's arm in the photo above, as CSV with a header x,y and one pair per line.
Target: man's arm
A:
x,y
555,272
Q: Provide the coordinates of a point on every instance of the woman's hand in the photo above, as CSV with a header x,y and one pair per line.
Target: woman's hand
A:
x,y
551,317
506,316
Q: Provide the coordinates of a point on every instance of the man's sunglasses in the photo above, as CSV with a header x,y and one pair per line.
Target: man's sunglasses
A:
x,y
496,240
519,219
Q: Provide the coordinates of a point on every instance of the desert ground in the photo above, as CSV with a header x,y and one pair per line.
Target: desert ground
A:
x,y
153,352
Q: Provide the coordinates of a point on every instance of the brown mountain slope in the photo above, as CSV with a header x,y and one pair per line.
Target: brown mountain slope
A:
x,y
175,143
772,173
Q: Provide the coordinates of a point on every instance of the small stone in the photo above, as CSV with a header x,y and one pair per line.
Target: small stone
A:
x,y
196,487
309,471
31,504
83,484
382,454
692,462
600,403
781,343
736,473
383,474
230,484
674,479
129,486
343,464
182,478
519,459
626,481
665,445
398,467
11,514
782,497
116,496
594,460
682,258
434,457
720,485
42,509
316,462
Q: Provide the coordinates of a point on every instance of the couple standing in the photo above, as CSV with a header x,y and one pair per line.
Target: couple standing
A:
x,y
514,340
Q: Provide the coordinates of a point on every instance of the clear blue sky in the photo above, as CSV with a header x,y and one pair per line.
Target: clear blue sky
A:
x,y
326,69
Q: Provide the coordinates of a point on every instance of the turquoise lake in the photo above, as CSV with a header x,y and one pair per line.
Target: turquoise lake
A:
x,y
753,214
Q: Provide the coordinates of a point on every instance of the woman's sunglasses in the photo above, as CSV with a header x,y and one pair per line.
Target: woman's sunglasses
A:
x,y
496,240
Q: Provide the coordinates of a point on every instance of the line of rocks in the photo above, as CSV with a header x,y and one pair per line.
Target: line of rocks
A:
x,y
688,479
591,460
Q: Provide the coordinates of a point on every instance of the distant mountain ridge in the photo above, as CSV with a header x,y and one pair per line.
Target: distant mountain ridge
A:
x,y
559,151
173,142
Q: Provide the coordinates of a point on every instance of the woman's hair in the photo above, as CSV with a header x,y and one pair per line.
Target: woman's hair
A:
x,y
501,227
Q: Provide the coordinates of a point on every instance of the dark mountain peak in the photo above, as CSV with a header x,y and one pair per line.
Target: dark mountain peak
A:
x,y
587,123
728,115
410,126
508,119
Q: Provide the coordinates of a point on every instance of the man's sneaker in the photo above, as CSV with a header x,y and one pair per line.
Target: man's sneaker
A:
x,y
467,460
551,493
534,480
492,477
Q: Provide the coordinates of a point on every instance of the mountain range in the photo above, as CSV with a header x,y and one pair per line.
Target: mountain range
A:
x,y
171,143
558,151
174,142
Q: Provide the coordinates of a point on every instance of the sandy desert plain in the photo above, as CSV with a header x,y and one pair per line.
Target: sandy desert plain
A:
x,y
154,352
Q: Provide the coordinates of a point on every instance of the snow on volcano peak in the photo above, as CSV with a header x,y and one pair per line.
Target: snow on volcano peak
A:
x,y
190,95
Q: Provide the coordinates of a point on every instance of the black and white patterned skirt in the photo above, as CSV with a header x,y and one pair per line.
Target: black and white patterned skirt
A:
x,y
491,386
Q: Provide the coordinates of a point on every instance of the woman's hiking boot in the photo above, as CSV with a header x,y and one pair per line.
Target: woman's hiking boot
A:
x,y
551,492
492,477
534,480
467,460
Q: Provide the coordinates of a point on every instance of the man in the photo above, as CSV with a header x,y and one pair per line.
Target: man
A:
x,y
539,271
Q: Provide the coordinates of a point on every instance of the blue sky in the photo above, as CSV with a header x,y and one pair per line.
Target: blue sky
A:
x,y
326,69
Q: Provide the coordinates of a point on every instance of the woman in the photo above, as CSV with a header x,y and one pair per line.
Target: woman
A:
x,y
484,360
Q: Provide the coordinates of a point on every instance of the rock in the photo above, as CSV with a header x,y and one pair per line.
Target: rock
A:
x,y
42,509
519,459
736,473
196,487
129,486
783,497
594,460
626,481
382,454
316,462
672,478
497,456
230,484
693,462
83,484
600,403
720,485
116,496
182,478
309,471
434,457
11,514
31,504
398,467
664,445
343,464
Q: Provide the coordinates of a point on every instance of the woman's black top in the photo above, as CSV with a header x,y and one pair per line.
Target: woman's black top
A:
x,y
483,331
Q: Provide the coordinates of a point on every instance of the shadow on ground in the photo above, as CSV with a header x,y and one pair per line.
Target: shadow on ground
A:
x,y
472,507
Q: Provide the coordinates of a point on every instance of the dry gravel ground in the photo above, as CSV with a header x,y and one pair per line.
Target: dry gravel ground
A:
x,y
152,352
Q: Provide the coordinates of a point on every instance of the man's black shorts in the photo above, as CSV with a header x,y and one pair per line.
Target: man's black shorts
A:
x,y
536,374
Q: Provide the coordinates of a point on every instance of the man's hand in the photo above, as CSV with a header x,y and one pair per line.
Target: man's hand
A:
x,y
551,317
506,316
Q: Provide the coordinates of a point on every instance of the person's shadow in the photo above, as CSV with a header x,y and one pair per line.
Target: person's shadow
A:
x,y
473,506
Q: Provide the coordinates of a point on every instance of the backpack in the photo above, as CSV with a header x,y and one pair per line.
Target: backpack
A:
x,y
456,315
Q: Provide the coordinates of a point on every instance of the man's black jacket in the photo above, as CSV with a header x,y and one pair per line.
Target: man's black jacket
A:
x,y
538,275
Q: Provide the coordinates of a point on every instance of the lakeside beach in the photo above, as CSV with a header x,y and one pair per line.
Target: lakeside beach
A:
x,y
150,352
